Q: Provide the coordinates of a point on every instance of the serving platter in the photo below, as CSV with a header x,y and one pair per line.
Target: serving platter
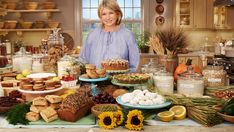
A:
x,y
41,75
156,106
40,92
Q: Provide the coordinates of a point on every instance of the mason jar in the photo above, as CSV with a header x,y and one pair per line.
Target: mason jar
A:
x,y
22,60
164,82
214,76
190,84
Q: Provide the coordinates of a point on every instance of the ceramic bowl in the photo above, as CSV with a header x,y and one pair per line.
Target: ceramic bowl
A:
x,y
26,25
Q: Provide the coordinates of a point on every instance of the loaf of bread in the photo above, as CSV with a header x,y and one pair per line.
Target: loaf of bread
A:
x,y
76,105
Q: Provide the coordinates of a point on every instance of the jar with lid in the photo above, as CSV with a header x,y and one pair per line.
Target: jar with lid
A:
x,y
37,65
151,67
214,76
3,50
164,81
68,65
22,60
190,83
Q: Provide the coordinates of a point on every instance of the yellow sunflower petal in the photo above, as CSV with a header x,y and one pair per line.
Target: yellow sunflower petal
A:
x,y
134,120
107,120
119,117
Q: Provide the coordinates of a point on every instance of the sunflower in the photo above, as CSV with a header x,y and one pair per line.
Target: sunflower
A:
x,y
134,120
119,117
107,120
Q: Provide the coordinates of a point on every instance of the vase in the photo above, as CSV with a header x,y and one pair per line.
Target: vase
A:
x,y
170,62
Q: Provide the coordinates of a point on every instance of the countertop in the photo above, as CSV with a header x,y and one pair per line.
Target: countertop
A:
x,y
197,54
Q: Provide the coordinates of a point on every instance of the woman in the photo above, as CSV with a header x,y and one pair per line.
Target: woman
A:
x,y
111,40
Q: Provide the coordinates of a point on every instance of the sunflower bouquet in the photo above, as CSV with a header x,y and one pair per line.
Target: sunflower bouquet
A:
x,y
110,120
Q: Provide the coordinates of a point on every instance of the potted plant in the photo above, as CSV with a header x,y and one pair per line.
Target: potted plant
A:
x,y
142,41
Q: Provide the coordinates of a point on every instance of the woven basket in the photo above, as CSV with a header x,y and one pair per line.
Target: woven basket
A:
x,y
96,112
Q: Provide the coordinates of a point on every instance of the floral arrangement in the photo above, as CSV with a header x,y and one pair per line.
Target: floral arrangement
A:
x,y
110,120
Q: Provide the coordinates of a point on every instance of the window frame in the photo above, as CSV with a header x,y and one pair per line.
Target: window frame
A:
x,y
145,4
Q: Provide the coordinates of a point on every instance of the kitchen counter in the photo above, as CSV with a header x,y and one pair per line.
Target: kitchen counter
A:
x,y
196,54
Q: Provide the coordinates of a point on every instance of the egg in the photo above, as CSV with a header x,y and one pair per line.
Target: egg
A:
x,y
136,92
126,97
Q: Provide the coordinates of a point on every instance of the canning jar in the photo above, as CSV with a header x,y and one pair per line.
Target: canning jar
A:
x,y
214,76
164,82
68,65
190,83
37,65
22,60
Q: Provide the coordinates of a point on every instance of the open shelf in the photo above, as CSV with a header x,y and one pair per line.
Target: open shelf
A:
x,y
33,11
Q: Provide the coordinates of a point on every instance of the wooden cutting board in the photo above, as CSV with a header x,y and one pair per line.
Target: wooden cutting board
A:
x,y
87,120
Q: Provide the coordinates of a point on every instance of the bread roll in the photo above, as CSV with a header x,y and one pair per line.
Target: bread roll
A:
x,y
49,114
37,109
54,98
32,116
40,101
92,74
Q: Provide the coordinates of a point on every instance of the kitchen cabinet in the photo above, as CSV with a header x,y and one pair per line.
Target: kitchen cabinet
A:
x,y
223,17
194,13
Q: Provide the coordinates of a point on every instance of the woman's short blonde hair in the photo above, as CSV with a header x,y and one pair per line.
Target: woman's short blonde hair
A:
x,y
113,5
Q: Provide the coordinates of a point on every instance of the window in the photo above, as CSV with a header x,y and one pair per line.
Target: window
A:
x,y
132,15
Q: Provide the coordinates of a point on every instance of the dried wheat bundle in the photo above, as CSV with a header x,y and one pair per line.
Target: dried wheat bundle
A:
x,y
173,39
156,45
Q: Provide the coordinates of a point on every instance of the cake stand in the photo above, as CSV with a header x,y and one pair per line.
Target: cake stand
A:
x,y
130,86
93,83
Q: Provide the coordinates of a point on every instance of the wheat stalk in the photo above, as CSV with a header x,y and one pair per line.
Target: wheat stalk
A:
x,y
156,45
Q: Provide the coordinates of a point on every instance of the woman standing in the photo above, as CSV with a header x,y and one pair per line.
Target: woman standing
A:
x,y
112,40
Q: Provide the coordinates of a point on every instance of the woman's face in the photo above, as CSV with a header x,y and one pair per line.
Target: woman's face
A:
x,y
109,17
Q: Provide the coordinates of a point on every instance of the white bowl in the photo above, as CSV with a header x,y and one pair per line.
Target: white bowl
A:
x,y
69,84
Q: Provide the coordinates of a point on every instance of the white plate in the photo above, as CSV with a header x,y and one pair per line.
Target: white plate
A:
x,y
40,92
41,75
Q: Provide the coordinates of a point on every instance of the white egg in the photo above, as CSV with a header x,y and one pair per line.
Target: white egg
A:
x,y
149,102
140,95
126,97
136,92
133,102
145,91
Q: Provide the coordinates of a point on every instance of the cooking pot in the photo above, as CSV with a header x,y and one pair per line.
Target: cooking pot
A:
x,y
229,51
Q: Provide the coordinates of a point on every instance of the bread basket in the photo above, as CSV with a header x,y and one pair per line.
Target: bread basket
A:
x,y
53,24
26,25
99,108
11,5
1,25
30,5
11,24
39,24
48,5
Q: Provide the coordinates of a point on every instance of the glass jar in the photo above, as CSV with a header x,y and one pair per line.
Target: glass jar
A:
x,y
214,76
37,65
68,65
164,82
190,83
22,60
3,50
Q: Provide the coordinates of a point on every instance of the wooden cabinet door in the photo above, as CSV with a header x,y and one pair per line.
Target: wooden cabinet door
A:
x,y
210,14
199,14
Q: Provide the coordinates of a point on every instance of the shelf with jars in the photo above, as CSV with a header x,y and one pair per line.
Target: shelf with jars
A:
x,y
223,17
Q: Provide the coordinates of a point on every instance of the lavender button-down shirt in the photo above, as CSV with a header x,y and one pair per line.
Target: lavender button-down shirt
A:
x,y
101,45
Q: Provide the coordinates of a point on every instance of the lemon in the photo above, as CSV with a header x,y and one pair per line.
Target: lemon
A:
x,y
166,116
19,76
26,72
180,112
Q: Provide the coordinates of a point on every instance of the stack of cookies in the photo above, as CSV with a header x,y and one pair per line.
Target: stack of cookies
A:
x,y
93,73
38,84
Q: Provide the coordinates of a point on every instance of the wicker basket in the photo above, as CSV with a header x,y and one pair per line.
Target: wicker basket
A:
x,y
96,109
11,24
49,5
11,5
30,5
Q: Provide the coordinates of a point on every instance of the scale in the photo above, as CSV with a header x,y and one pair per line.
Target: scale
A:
x,y
93,83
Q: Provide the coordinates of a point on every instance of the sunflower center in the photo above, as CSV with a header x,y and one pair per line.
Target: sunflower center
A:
x,y
107,121
135,120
